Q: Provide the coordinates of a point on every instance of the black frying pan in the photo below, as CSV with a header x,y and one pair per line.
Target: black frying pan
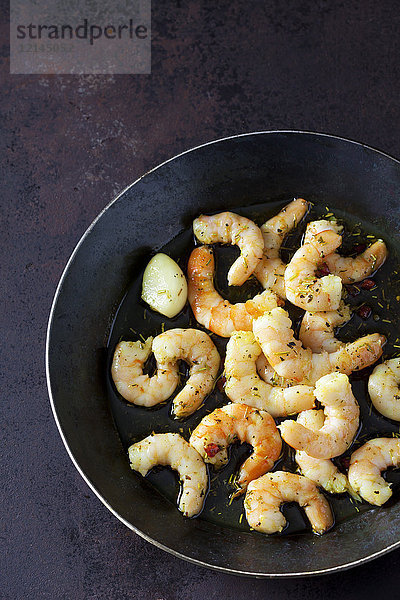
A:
x,y
229,173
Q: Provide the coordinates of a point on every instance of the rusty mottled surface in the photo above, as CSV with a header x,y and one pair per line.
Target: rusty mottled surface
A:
x,y
69,145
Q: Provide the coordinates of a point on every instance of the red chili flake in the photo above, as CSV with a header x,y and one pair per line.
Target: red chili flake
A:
x,y
211,450
358,249
322,270
368,284
364,311
353,290
344,462
221,383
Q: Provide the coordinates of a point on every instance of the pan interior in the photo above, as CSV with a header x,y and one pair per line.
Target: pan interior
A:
x,y
136,321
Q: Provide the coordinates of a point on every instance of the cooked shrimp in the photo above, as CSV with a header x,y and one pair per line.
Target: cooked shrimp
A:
x,y
290,360
317,330
303,288
210,309
270,270
341,420
172,450
366,464
269,375
197,349
350,269
266,494
322,471
127,373
314,228
244,386
233,422
229,228
383,388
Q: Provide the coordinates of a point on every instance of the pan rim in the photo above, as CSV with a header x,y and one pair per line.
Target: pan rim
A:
x,y
218,568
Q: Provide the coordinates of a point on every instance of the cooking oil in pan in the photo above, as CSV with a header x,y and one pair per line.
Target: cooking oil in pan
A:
x,y
135,320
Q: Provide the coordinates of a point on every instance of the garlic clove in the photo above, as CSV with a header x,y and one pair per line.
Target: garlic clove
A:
x,y
164,286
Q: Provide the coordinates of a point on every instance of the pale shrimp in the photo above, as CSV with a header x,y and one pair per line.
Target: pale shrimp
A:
x,y
383,388
132,384
170,449
208,306
244,386
366,465
271,269
314,228
197,349
233,422
317,330
269,375
229,228
350,269
303,287
265,495
320,470
341,413
274,333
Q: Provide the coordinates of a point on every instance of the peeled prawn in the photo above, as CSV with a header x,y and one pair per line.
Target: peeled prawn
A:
x,y
317,330
229,228
366,464
243,385
127,373
303,288
197,349
233,422
274,333
383,388
314,228
208,306
269,375
350,269
270,271
341,420
266,494
320,470
172,450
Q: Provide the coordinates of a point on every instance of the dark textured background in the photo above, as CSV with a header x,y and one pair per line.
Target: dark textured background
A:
x,y
69,144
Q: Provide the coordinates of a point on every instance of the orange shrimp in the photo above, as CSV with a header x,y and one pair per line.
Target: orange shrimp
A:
x,y
233,422
208,306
